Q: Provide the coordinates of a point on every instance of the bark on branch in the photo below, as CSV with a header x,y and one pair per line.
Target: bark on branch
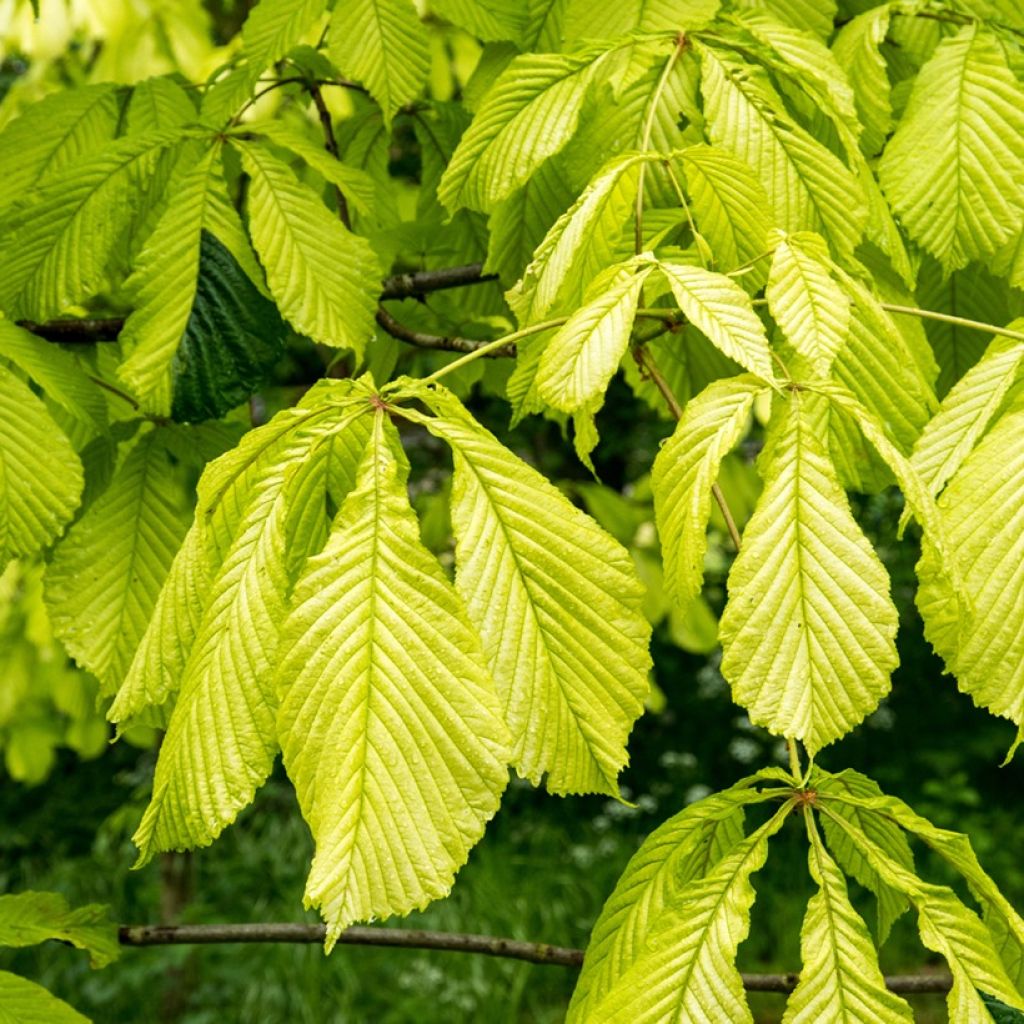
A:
x,y
451,942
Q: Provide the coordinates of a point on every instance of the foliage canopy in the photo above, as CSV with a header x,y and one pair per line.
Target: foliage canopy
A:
x,y
773,219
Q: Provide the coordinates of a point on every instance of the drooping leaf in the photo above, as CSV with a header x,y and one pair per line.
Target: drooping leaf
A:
x,y
40,475
889,837
949,928
1003,921
324,278
382,44
685,469
389,722
221,737
530,113
25,1002
582,357
809,188
720,309
807,633
557,604
106,573
27,918
157,103
840,979
224,492
809,306
966,111
685,970
684,848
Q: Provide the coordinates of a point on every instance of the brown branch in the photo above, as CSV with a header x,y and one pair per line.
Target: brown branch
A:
x,y
418,283
450,942
331,145
401,286
436,342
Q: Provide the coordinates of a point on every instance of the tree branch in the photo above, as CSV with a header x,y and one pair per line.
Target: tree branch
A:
x,y
402,286
450,942
436,341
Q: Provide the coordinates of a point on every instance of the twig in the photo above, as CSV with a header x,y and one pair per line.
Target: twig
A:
x,y
76,332
330,144
947,318
451,942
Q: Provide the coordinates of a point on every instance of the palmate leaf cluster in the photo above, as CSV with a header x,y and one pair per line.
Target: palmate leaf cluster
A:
x,y
798,222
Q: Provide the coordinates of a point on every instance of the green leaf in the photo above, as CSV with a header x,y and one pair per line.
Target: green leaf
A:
x,y
56,131
40,475
324,279
881,830
613,19
389,722
28,918
582,357
530,113
201,335
557,604
966,111
382,44
955,848
489,20
730,206
56,372
966,412
684,471
685,969
684,848
810,308
580,244
25,1002
720,309
158,103
275,26
807,633
62,238
233,340
983,506
224,491
815,16
107,571
358,186
857,48
947,927
809,188
221,732
840,980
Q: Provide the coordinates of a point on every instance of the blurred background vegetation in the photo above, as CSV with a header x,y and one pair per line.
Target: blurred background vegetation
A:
x,y
69,800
